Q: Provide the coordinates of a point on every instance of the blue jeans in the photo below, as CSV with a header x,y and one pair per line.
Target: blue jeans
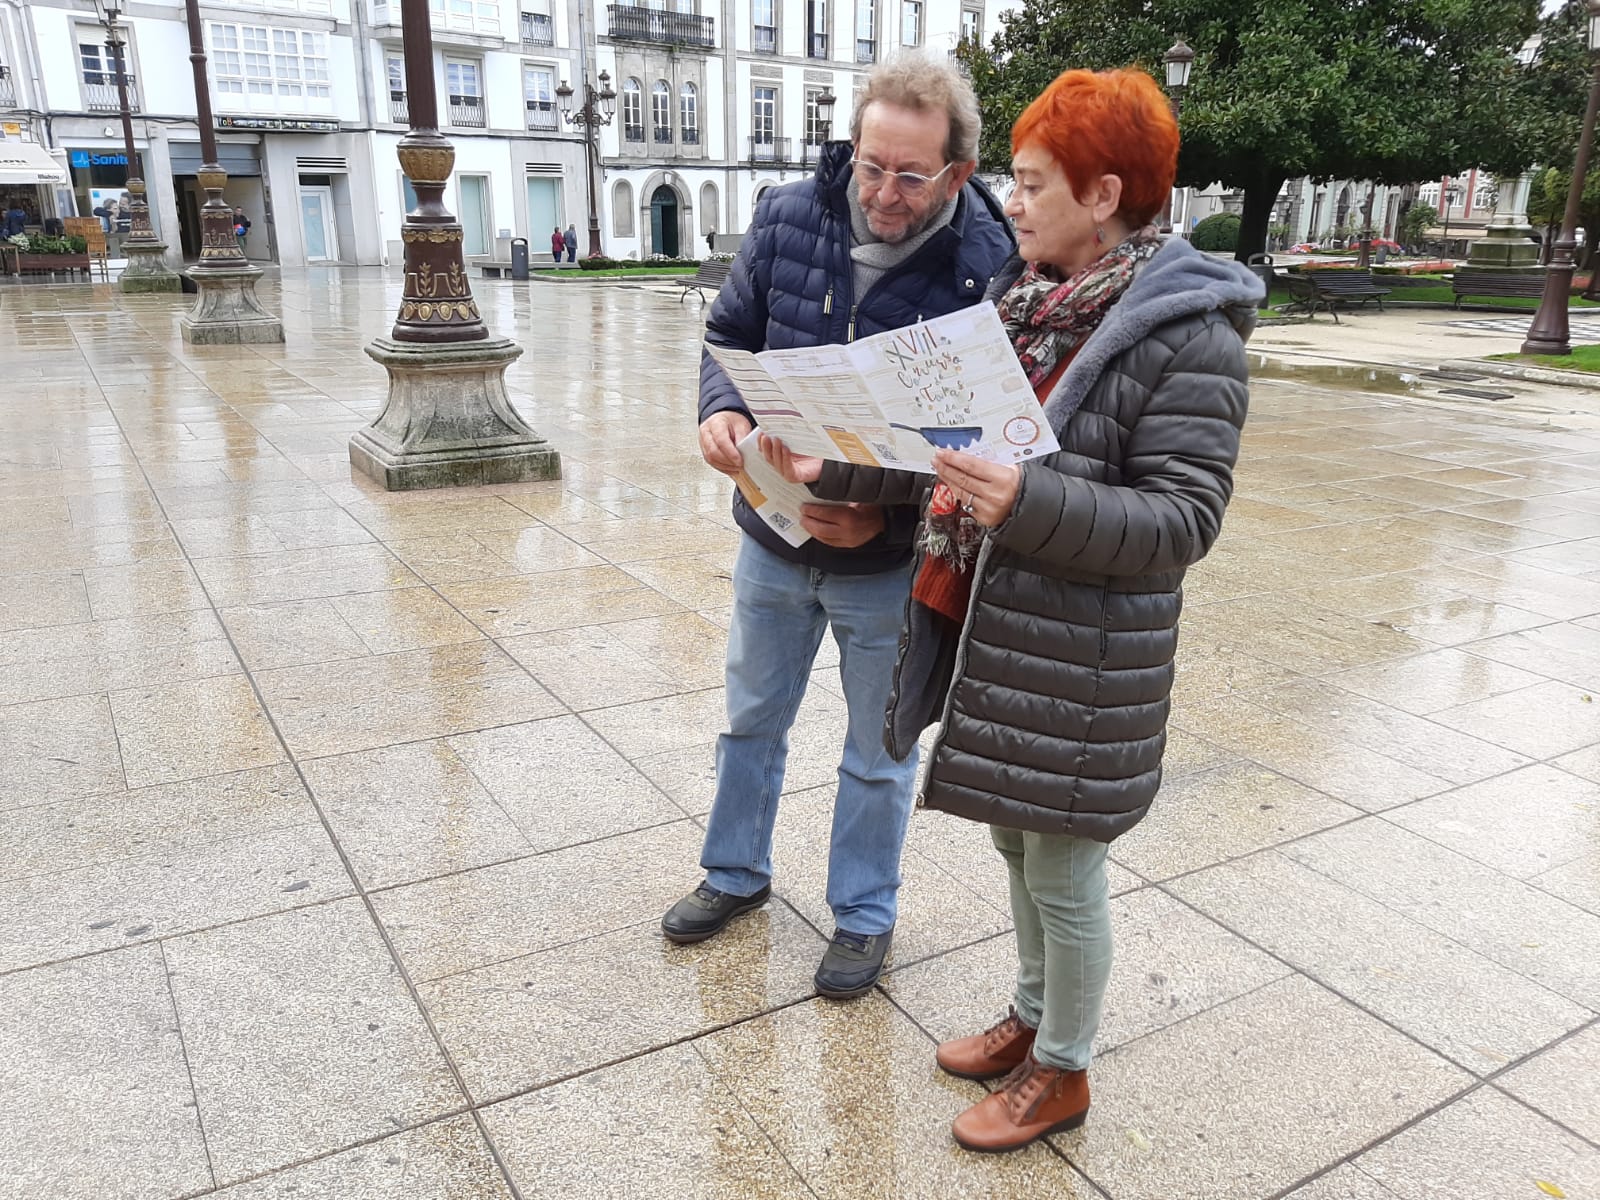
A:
x,y
779,612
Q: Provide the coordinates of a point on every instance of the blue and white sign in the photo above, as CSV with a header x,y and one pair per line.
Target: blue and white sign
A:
x,y
83,159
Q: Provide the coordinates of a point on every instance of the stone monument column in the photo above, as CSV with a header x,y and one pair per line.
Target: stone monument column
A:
x,y
448,420
1507,244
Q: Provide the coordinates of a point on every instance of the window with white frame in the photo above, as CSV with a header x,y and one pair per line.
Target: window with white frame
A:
x,y
99,62
764,20
971,30
817,28
632,111
259,60
538,26
815,132
911,22
660,112
866,31
1483,194
1428,194
470,16
463,81
539,96
764,117
689,115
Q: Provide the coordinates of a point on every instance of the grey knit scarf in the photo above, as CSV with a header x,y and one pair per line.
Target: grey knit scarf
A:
x,y
870,256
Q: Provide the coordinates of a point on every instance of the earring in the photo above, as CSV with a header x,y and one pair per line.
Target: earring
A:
x,y
1100,235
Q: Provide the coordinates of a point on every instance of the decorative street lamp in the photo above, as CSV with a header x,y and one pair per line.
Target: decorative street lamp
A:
x,y
1549,333
596,111
1449,195
825,100
1179,60
147,269
226,311
448,420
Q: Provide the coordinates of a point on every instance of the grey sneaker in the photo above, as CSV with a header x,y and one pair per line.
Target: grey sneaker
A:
x,y
852,963
705,912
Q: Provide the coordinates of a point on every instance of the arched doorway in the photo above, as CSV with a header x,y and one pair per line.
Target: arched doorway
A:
x,y
664,221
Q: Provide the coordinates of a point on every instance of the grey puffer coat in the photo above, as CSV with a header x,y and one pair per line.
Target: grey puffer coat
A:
x,y
1055,693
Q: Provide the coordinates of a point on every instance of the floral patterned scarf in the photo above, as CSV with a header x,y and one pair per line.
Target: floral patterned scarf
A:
x,y
1048,319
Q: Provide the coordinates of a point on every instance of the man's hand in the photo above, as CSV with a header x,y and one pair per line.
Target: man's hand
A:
x,y
986,490
845,526
720,434
796,468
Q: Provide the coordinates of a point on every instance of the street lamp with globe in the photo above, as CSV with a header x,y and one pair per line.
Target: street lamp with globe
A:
x,y
594,113
1549,334
1179,60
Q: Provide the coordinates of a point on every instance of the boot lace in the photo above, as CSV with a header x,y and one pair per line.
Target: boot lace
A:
x,y
997,1035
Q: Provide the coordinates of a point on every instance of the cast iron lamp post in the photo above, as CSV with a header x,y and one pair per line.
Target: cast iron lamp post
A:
x,y
147,269
1179,60
226,311
825,100
448,420
1549,333
596,111
1448,195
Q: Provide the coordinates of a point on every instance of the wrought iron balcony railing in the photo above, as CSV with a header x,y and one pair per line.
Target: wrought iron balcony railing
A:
x,y
398,112
542,115
100,92
8,89
766,39
866,50
689,136
769,152
538,30
819,45
467,111
633,24
633,133
662,135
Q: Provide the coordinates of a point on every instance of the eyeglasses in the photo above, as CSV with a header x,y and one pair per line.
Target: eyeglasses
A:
x,y
909,182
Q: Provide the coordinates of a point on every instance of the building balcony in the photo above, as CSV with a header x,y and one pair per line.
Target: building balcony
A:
x,y
542,116
765,40
467,24
633,133
817,46
810,153
662,135
467,112
631,24
768,152
689,137
100,93
399,113
8,89
866,50
538,29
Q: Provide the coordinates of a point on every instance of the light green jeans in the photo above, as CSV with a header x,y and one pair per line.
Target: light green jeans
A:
x,y
1060,903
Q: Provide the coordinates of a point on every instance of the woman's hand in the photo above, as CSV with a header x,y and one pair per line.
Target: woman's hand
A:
x,y
796,468
986,490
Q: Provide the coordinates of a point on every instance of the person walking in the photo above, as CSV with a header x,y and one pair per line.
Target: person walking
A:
x,y
1047,596
891,228
558,243
241,227
570,239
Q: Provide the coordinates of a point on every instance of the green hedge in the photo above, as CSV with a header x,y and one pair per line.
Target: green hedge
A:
x,y
599,262
1220,231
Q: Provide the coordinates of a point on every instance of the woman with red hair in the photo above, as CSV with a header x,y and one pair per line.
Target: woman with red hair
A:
x,y
1045,609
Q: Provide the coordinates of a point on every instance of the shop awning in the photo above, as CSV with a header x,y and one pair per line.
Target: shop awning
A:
x,y
29,162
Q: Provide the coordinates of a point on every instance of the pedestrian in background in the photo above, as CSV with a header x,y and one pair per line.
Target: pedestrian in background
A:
x,y
570,238
1046,601
558,243
241,226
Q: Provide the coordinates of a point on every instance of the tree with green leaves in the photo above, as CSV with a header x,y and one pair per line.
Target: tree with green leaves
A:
x,y
1387,90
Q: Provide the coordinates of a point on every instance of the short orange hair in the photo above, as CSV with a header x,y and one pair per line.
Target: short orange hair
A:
x,y
1097,123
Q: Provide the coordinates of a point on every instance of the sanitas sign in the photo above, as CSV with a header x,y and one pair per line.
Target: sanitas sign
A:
x,y
277,123
83,159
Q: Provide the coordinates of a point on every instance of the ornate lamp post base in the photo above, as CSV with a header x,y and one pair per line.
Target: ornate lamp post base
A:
x,y
226,312
448,421
147,269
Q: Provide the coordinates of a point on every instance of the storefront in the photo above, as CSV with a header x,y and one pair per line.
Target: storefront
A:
x,y
100,186
242,162
29,175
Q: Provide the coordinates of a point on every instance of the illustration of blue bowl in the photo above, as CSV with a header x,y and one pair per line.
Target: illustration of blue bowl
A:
x,y
946,437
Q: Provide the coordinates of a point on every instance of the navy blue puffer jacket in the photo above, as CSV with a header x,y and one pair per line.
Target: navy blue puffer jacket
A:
x,y
790,286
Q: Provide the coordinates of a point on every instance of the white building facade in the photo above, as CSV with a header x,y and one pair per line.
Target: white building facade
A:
x,y
715,103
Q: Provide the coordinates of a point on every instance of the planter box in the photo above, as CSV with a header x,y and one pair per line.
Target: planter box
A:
x,y
20,262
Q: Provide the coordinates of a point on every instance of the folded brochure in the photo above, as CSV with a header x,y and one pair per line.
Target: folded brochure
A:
x,y
891,399
772,497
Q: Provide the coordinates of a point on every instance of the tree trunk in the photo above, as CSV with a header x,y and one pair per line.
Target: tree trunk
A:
x,y
1259,197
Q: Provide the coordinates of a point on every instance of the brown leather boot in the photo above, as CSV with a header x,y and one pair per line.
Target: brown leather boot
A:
x,y
1033,1101
996,1051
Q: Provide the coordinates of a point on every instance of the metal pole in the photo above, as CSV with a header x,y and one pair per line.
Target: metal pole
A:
x,y
219,246
591,136
1549,334
139,228
437,305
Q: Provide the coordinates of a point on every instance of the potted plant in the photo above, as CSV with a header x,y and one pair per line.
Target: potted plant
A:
x,y
37,252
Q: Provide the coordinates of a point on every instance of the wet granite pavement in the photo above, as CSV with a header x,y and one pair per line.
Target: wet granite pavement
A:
x,y
335,825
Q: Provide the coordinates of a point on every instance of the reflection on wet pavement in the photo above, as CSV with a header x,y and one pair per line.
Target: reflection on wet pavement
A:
x,y
335,825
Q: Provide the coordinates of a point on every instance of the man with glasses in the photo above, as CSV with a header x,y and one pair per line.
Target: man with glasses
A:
x,y
891,230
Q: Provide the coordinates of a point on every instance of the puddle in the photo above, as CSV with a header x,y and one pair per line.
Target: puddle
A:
x,y
1387,380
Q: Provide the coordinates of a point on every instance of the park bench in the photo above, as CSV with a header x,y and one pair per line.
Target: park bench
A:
x,y
1328,287
1475,281
710,275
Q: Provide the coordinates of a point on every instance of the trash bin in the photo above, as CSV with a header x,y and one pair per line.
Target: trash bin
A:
x,y
519,258
1261,267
